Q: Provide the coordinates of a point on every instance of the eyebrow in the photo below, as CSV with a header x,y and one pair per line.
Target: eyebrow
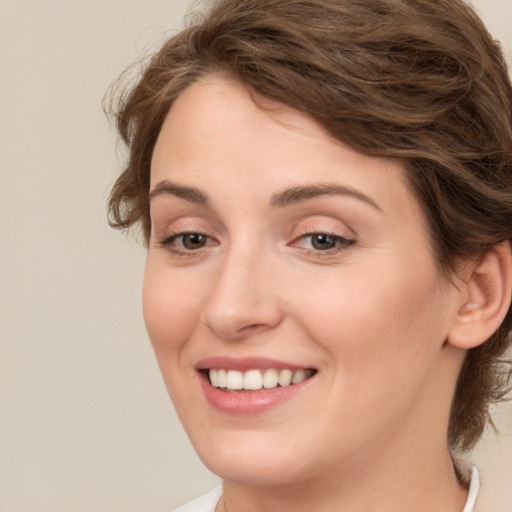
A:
x,y
288,196
190,194
300,193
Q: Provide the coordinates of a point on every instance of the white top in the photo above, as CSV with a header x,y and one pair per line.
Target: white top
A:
x,y
207,502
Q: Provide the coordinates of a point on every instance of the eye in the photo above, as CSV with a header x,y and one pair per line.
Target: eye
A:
x,y
323,242
186,242
192,241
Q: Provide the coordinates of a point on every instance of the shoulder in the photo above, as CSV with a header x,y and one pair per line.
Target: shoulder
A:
x,y
204,503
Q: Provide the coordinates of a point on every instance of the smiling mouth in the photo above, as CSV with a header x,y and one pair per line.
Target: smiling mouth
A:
x,y
256,379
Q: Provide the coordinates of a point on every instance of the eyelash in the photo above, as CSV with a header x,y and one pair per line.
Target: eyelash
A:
x,y
168,241
340,243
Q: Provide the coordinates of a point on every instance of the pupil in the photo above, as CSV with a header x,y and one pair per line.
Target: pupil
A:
x,y
193,241
323,242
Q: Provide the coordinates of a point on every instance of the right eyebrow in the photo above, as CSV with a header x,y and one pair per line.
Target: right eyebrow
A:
x,y
190,194
301,193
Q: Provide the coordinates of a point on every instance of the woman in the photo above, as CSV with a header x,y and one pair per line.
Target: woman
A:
x,y
325,189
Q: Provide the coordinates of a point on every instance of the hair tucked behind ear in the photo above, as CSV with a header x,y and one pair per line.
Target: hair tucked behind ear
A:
x,y
419,80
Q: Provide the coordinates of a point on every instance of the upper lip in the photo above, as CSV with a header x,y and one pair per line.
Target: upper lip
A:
x,y
246,363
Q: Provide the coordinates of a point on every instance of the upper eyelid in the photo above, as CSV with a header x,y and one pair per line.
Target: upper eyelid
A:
x,y
311,226
179,224
185,222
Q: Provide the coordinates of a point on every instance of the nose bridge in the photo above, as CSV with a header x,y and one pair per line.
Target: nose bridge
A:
x,y
242,298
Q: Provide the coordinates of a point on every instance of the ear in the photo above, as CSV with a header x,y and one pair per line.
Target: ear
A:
x,y
486,297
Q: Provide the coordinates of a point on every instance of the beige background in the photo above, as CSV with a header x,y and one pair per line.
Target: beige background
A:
x,y
85,423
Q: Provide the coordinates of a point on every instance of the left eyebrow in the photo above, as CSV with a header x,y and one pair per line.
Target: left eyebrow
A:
x,y
190,194
300,193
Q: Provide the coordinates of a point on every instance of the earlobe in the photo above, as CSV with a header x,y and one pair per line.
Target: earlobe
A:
x,y
486,299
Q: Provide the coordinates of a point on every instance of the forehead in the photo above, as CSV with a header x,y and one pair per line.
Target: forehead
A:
x,y
217,133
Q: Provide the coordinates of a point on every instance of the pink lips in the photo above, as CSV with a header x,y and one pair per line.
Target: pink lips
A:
x,y
244,364
246,402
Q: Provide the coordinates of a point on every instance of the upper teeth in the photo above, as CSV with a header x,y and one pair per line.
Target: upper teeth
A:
x,y
256,379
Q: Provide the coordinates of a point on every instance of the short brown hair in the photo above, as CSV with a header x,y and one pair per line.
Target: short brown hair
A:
x,y
419,80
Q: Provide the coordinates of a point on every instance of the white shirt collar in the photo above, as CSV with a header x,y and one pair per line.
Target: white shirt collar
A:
x,y
470,471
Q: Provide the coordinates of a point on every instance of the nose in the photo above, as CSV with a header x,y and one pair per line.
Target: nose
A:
x,y
244,300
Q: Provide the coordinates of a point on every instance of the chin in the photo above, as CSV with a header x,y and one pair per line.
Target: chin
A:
x,y
265,473
252,460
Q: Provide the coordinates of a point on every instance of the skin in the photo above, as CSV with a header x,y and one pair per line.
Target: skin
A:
x,y
372,314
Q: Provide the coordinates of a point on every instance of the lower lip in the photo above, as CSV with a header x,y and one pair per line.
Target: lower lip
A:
x,y
249,402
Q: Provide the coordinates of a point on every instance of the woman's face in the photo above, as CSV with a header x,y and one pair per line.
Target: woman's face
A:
x,y
278,253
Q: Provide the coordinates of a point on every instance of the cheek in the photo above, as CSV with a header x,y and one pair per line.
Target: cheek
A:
x,y
170,313
379,322
383,338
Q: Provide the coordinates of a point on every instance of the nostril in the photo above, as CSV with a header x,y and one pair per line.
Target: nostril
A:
x,y
231,314
251,327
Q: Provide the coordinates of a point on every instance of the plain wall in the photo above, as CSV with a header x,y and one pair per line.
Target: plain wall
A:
x,y
85,422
